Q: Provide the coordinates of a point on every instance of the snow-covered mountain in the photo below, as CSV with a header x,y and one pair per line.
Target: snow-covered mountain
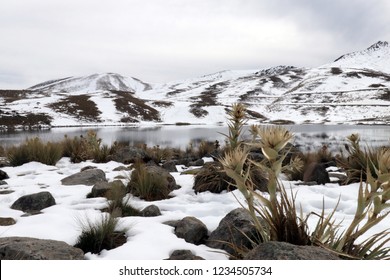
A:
x,y
355,88
92,83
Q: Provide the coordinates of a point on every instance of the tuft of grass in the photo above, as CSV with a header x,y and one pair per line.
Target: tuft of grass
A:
x,y
212,177
158,154
119,205
100,235
2,151
102,154
34,149
88,147
206,148
146,185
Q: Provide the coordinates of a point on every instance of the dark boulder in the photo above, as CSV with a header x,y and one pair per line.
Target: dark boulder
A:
x,y
316,172
151,211
7,221
127,154
285,251
34,202
235,231
110,190
87,177
192,230
170,166
183,255
25,248
3,175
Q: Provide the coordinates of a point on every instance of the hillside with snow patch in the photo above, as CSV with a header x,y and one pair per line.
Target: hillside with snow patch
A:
x,y
354,89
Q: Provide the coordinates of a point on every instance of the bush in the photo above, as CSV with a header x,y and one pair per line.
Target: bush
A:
x,y
87,147
35,150
100,235
279,213
357,160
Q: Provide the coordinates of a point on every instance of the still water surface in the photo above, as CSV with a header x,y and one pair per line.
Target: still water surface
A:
x,y
309,136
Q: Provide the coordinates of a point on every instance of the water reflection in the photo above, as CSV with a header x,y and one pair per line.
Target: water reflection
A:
x,y
308,136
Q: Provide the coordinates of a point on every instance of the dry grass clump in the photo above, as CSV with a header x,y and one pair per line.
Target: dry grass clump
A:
x,y
212,177
2,151
119,205
147,185
35,149
207,148
158,154
100,235
86,148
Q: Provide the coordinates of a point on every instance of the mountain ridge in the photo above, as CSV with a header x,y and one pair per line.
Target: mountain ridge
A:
x,y
355,88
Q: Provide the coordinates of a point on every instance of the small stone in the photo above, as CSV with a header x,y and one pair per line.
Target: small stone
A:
x,y
7,221
151,211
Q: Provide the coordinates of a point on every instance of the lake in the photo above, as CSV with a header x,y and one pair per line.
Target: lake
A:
x,y
309,136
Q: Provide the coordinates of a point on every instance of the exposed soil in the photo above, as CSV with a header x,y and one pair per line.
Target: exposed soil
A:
x,y
206,98
134,109
385,95
164,104
30,120
336,71
78,106
14,95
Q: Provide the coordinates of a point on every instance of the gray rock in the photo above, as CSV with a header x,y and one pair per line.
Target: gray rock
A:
x,y
3,175
198,162
25,248
151,211
192,230
183,255
7,221
108,190
87,168
87,177
34,202
316,172
170,166
99,189
234,231
122,168
6,191
285,251
126,155
3,183
158,171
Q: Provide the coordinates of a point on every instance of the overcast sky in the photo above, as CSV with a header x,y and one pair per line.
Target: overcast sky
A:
x,y
166,40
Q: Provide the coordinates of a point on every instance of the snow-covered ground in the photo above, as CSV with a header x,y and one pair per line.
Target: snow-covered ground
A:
x,y
147,237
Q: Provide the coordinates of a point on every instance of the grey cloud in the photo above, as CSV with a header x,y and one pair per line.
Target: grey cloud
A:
x,y
159,40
